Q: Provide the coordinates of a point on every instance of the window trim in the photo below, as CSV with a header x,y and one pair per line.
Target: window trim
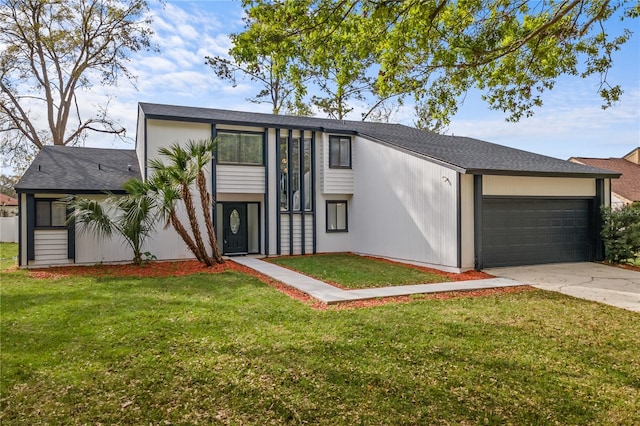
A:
x,y
346,215
50,201
240,132
338,138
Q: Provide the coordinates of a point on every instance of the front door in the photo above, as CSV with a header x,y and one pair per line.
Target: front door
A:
x,y
235,228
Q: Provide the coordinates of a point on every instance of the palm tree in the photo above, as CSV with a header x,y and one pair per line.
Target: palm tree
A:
x,y
134,218
201,154
172,182
168,196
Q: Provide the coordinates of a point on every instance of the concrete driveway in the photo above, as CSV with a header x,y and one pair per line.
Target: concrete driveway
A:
x,y
592,281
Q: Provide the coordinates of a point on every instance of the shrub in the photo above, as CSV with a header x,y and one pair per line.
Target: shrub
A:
x,y
621,233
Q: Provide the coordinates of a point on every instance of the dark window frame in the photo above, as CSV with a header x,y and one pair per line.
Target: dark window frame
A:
x,y
50,201
239,133
346,215
336,138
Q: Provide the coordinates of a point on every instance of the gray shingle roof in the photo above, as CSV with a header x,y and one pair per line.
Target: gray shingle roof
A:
x,y
463,154
75,169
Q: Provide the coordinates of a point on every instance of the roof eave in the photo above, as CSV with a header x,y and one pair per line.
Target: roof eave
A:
x,y
263,124
69,191
541,173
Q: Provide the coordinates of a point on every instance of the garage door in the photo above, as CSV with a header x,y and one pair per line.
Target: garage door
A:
x,y
520,231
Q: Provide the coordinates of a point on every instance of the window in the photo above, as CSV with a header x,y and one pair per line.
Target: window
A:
x,y
240,148
299,171
51,214
337,216
339,152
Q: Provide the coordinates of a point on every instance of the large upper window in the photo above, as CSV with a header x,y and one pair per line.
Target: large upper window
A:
x,y
240,148
337,216
51,214
339,152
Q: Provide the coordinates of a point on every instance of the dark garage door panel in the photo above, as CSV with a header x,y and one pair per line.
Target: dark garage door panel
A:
x,y
518,231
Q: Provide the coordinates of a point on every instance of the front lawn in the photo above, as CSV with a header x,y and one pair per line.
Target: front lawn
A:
x,y
352,271
8,253
227,349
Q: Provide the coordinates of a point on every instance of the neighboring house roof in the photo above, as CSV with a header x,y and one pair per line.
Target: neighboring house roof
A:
x,y
628,186
68,169
463,154
5,200
633,156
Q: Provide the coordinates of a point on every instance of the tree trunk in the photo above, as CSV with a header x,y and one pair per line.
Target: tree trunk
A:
x,y
205,199
195,228
180,229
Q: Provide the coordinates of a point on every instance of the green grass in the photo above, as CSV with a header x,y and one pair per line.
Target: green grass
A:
x,y
352,271
227,349
7,253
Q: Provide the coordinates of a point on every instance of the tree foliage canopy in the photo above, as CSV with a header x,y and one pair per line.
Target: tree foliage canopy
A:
x,y
50,49
434,51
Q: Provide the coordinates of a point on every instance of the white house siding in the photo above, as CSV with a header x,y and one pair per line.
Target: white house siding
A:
x,y
166,244
308,233
164,133
284,234
523,186
140,134
332,242
23,231
240,179
404,207
467,222
273,190
335,181
50,247
90,249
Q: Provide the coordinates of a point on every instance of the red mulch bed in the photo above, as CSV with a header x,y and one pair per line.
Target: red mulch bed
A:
x,y
188,267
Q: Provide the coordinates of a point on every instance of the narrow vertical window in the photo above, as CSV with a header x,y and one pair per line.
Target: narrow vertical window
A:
x,y
337,216
307,175
295,169
284,174
339,152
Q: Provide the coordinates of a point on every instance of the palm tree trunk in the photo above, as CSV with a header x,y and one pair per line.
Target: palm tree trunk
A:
x,y
205,199
181,230
193,221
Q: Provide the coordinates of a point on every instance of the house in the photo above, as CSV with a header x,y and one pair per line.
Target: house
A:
x,y
298,185
8,206
626,189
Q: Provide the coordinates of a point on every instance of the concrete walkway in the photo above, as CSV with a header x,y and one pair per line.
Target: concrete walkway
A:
x,y
592,281
330,294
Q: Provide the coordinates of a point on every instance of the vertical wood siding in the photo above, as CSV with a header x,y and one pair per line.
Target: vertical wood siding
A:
x,y
404,207
140,140
467,223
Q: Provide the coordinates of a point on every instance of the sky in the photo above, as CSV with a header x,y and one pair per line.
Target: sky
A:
x,y
571,122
